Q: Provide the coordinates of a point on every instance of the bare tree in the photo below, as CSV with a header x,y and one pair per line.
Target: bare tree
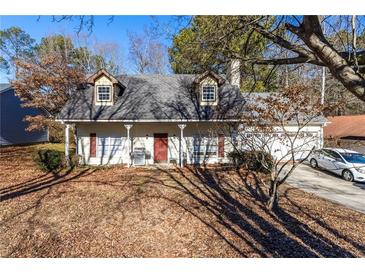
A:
x,y
138,53
274,131
146,54
93,55
111,56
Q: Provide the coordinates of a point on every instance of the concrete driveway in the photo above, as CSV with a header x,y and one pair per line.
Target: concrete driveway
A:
x,y
329,186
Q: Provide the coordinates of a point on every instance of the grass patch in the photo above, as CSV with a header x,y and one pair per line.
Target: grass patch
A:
x,y
54,146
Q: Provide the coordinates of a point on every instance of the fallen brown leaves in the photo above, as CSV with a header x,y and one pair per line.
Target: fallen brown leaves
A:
x,y
120,212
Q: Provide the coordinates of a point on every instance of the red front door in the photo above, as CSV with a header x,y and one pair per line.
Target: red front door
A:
x,y
160,147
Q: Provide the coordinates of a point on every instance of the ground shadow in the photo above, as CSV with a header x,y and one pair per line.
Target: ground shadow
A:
x,y
267,234
292,224
42,184
45,181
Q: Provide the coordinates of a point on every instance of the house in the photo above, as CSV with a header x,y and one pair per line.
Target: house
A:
x,y
346,131
12,124
147,119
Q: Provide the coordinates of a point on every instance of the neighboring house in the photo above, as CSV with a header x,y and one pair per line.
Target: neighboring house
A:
x,y
346,131
12,124
147,119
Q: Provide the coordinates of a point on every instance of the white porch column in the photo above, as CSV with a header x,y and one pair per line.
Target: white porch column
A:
x,y
181,126
129,142
67,144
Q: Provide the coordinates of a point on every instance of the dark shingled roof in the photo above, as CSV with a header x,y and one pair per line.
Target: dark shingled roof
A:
x,y
161,97
253,98
155,97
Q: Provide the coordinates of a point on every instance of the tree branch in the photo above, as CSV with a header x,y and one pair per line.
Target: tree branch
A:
x,y
312,35
285,61
301,51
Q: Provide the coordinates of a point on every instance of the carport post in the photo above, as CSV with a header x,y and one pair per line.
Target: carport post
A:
x,y
128,127
67,144
181,126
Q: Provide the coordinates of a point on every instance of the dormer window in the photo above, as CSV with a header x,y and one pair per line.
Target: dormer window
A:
x,y
104,93
207,85
107,88
209,93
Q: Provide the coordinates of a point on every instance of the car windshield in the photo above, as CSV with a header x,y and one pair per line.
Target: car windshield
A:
x,y
354,157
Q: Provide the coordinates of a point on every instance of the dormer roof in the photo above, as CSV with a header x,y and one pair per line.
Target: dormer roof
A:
x,y
102,72
220,80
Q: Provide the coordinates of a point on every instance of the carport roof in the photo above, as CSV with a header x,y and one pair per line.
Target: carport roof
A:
x,y
345,127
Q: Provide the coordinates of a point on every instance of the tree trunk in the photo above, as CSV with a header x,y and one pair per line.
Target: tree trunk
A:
x,y
273,194
320,52
311,34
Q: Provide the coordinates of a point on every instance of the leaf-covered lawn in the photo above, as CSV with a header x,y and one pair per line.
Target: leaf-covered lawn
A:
x,y
148,212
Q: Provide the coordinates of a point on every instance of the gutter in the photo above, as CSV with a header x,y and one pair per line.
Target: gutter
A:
x,y
165,121
143,121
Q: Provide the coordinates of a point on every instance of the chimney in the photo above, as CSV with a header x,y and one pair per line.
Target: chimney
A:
x,y
233,72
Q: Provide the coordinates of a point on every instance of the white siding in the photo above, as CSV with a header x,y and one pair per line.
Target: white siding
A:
x,y
142,136
281,149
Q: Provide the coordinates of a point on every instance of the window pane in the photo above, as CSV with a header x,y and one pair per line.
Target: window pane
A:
x,y
102,148
102,141
208,94
115,146
115,141
104,93
204,146
109,146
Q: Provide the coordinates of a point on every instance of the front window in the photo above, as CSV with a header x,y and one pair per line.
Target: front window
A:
x,y
109,146
355,158
209,94
104,93
204,146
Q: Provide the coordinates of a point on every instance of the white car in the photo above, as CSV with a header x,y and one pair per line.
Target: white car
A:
x,y
346,163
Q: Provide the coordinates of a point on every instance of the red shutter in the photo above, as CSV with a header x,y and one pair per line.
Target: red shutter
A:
x,y
92,144
220,145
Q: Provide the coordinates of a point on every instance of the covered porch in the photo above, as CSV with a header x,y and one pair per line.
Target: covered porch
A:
x,y
148,143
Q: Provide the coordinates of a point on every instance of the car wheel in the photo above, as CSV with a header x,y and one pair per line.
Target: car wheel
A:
x,y
347,175
313,163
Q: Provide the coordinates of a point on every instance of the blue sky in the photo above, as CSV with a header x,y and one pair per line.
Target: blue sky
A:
x,y
116,31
